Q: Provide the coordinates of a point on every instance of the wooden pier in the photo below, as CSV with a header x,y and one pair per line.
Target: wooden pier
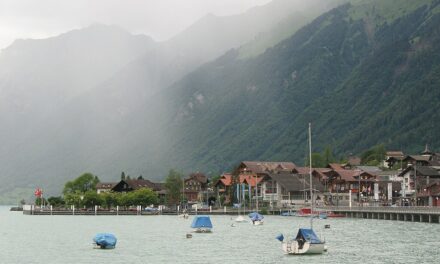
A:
x,y
411,214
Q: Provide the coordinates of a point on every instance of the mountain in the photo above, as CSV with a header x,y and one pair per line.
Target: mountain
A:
x,y
82,101
39,77
364,73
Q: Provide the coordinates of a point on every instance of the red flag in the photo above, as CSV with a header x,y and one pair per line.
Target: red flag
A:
x,y
38,192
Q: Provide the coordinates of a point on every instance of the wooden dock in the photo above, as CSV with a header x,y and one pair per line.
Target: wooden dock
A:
x,y
412,214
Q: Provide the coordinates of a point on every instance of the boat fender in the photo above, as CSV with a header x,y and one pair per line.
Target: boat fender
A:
x,y
280,237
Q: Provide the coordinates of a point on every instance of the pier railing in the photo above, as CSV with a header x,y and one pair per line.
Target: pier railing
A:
x,y
385,209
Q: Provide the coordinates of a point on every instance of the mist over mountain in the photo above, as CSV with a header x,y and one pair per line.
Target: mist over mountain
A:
x,y
364,73
83,101
227,89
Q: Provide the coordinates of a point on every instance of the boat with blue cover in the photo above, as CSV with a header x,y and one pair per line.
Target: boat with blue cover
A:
x,y
201,224
105,241
256,218
305,242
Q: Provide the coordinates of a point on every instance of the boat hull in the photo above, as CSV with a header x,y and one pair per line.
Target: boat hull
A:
x,y
203,230
293,248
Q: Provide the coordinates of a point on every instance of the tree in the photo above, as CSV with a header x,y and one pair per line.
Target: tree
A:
x,y
40,201
56,201
85,182
91,198
318,161
73,199
374,156
173,185
328,155
143,197
110,199
140,177
123,176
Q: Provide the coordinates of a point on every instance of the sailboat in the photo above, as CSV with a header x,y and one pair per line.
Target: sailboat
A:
x,y
306,241
240,218
184,213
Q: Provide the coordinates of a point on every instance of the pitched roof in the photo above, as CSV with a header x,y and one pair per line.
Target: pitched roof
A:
x,y
200,177
138,184
268,166
335,166
427,171
417,158
225,179
252,180
372,169
291,182
105,185
301,170
347,175
394,153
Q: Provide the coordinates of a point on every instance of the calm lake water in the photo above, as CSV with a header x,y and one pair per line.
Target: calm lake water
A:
x,y
162,239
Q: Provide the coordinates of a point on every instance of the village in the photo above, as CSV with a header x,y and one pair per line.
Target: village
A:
x,y
282,185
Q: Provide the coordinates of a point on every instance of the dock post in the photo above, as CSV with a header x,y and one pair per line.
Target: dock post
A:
x,y
430,218
210,208
224,209
405,217
117,209
178,209
51,209
73,209
96,209
421,218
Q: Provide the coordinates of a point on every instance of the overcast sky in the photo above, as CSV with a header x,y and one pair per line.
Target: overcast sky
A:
x,y
160,19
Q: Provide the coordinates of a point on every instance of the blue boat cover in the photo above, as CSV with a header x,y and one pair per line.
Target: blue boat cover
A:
x,y
308,235
105,240
280,237
201,221
256,216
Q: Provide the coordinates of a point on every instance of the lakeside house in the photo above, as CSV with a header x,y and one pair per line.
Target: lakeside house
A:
x,y
282,184
131,185
195,186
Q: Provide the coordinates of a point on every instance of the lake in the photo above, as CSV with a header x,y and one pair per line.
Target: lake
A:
x,y
162,239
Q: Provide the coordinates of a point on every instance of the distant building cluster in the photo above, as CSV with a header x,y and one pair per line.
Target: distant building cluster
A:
x,y
284,184
416,181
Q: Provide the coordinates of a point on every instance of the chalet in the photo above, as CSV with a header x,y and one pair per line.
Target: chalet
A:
x,y
131,185
415,177
392,158
430,195
286,188
195,185
104,186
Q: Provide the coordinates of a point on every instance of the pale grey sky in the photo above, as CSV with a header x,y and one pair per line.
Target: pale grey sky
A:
x,y
160,19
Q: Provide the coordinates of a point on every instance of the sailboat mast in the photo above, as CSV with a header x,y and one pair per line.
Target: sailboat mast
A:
x,y
310,173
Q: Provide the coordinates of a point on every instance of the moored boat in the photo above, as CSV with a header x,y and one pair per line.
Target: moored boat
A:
x,y
334,215
105,241
256,218
202,224
305,242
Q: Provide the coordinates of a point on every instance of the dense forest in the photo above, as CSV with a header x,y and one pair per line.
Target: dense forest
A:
x,y
361,74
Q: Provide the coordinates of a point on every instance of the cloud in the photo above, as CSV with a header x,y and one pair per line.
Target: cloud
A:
x,y
160,19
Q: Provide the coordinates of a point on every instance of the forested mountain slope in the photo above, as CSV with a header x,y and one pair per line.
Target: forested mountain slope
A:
x,y
363,74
